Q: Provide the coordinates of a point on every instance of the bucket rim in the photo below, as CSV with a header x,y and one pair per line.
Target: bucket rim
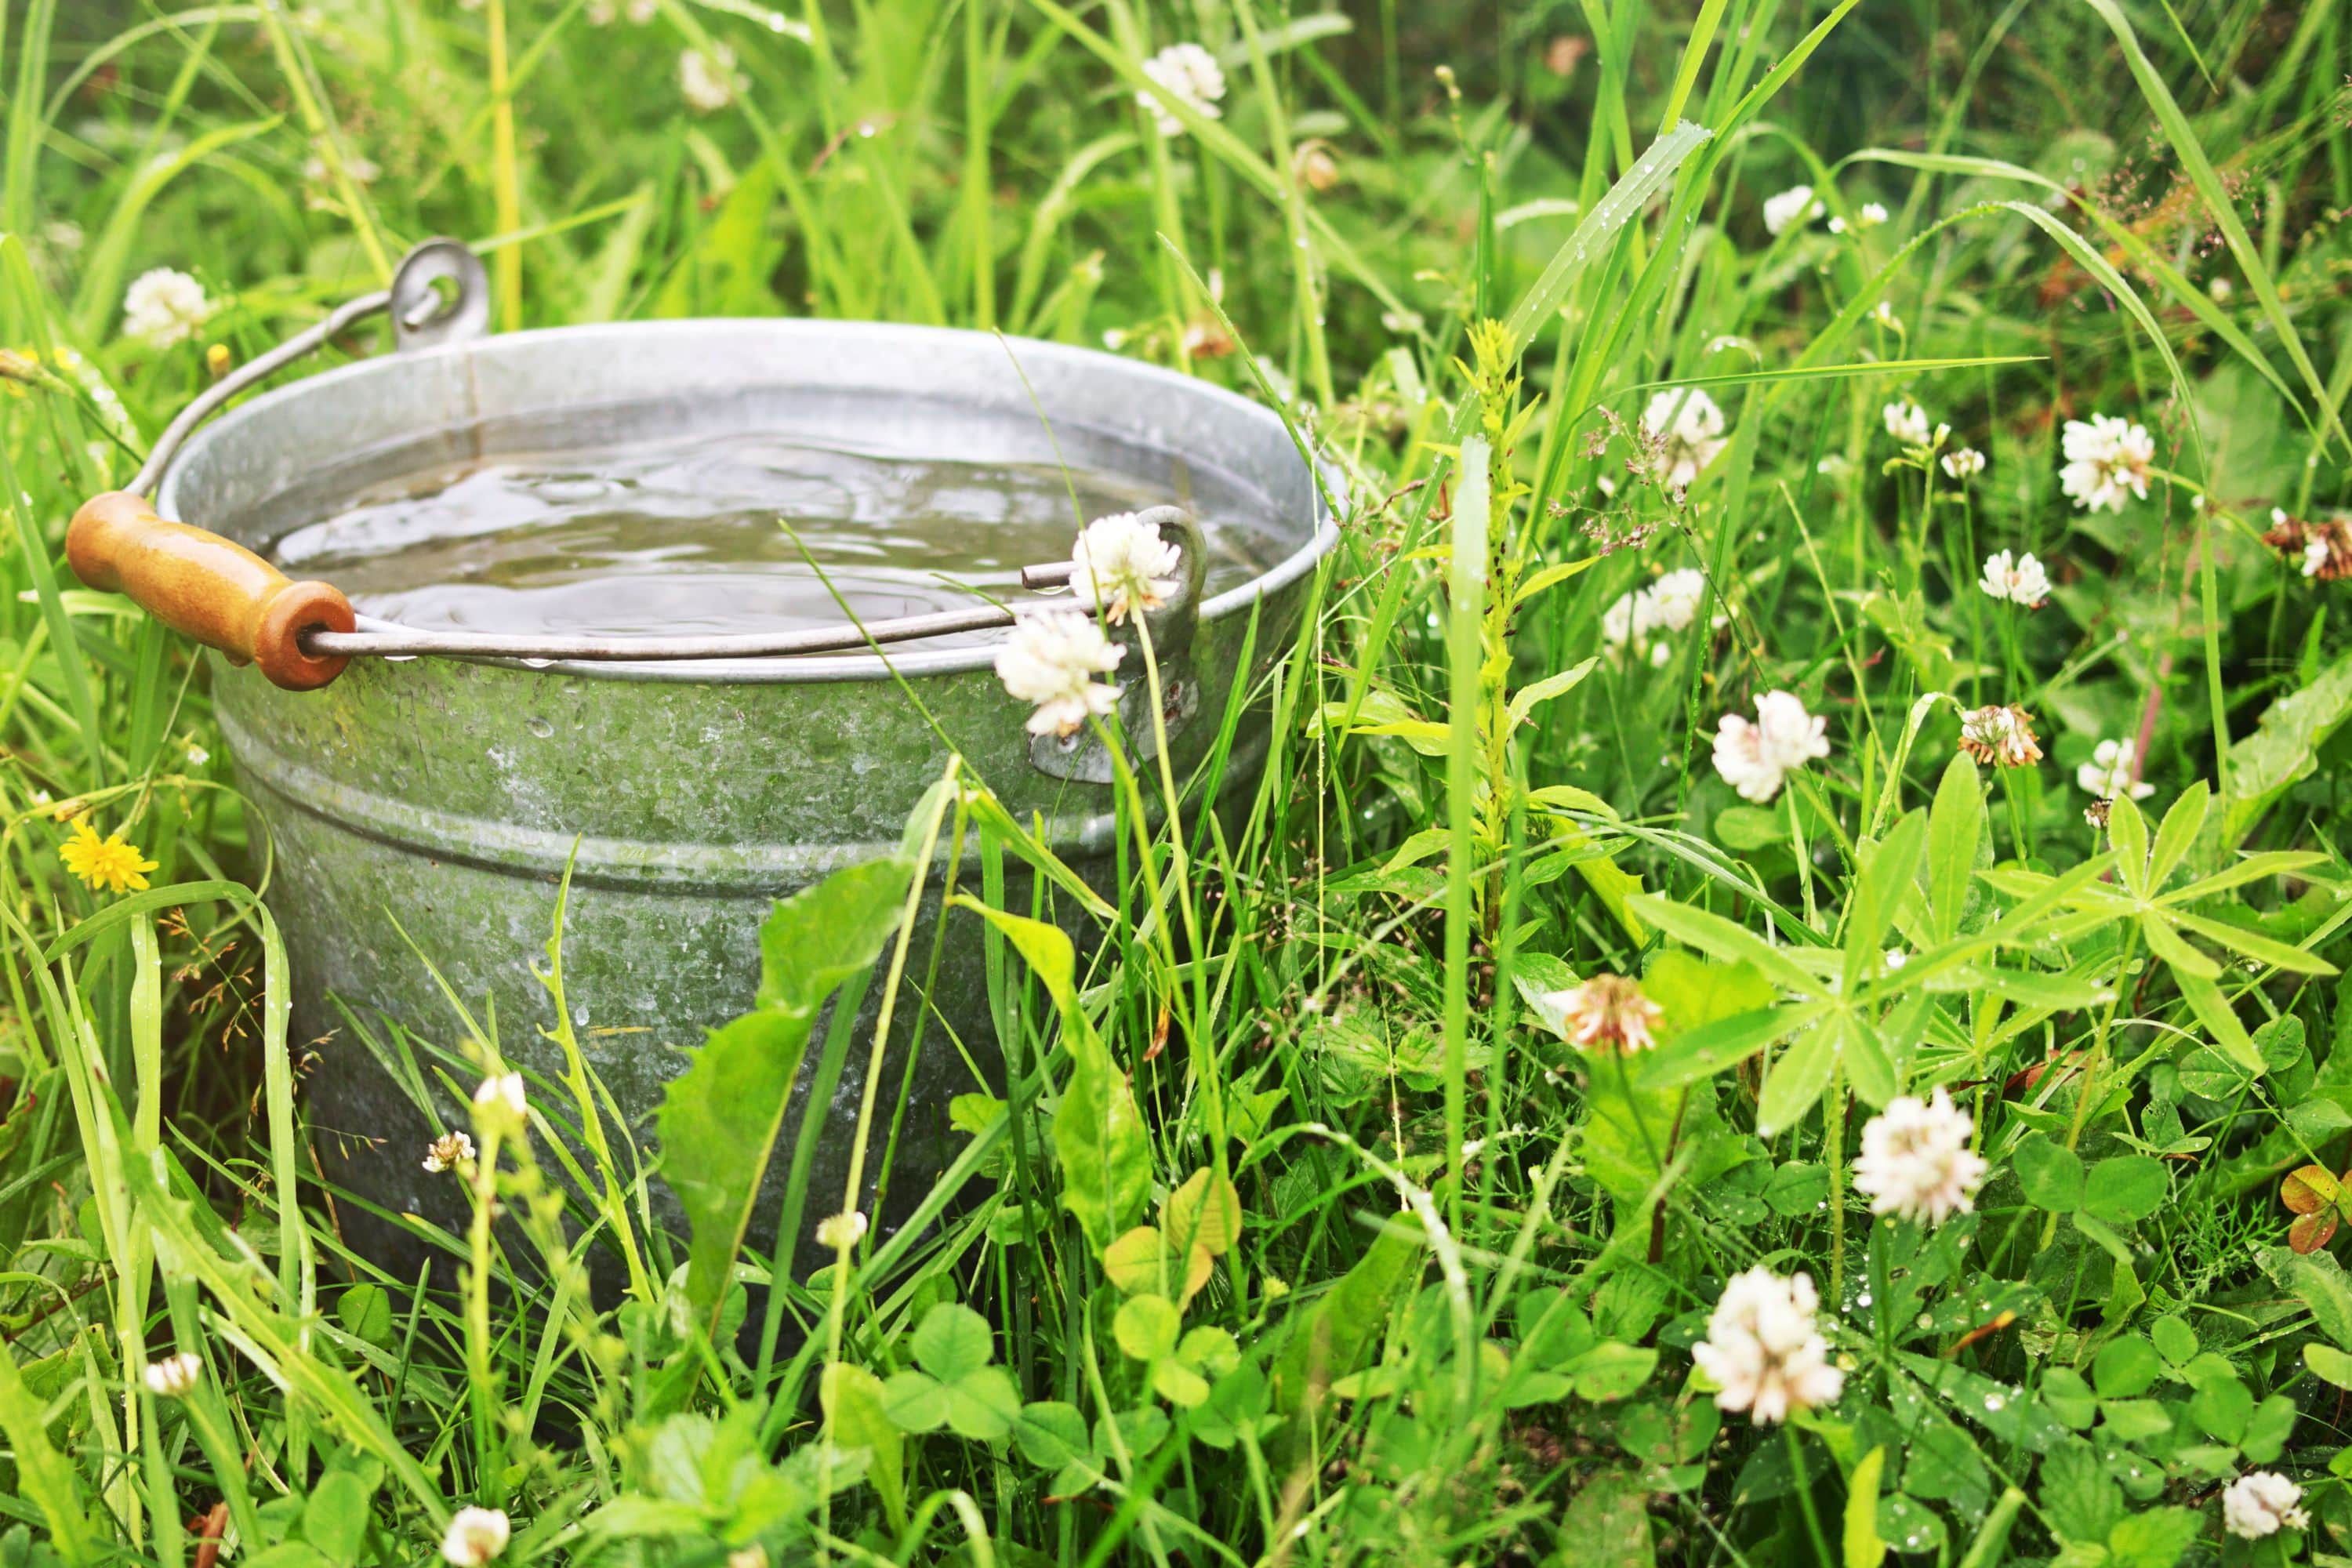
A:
x,y
1325,479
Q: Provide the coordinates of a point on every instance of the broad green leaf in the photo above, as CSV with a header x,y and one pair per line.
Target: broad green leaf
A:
x,y
720,1118
1793,1084
1100,1144
2181,825
819,938
2080,1498
1719,937
2184,961
2221,1020
1608,1518
1955,826
1867,1062
2317,1280
1863,1549
1146,1327
1706,1050
1097,1132
1339,1328
2254,945
983,1406
2328,1363
953,1342
2153,1539
2128,831
1205,1212
335,1519
2126,1368
1051,1433
1047,948
915,1402
1890,875
2050,1172
2284,748
2126,1188
851,1398
1524,700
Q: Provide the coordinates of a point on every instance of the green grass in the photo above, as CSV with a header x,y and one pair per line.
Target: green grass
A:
x,y
1454,1264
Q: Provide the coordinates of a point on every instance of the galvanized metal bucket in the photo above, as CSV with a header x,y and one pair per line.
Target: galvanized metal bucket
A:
x,y
426,809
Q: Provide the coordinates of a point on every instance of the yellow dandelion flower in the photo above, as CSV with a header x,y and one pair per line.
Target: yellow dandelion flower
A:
x,y
107,863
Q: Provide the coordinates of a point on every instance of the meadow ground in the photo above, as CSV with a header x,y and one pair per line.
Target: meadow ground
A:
x,y
1780,1003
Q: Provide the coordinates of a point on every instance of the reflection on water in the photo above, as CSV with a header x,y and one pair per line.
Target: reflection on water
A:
x,y
712,534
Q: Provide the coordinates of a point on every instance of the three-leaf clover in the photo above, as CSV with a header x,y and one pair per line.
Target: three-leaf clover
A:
x,y
955,1386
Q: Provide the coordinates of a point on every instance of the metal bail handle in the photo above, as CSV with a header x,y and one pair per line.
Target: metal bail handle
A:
x,y
1081,758
213,589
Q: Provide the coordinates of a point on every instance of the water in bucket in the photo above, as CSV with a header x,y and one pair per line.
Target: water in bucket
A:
x,y
741,532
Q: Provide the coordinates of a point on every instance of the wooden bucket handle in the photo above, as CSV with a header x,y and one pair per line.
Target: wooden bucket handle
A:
x,y
213,589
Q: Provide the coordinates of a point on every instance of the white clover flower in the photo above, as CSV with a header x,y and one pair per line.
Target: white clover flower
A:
x,y
1895,958
502,1090
163,306
1626,617
840,1230
1606,1010
1915,1160
2021,580
2108,773
2260,1502
1907,422
707,79
1121,564
1965,463
2220,289
1190,74
1762,1349
448,1152
1796,205
1677,596
2000,736
1051,660
2107,459
476,1535
175,1376
1869,216
1687,427
2315,552
1755,759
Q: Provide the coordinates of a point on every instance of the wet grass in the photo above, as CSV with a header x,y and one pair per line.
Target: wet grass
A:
x,y
1451,1266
